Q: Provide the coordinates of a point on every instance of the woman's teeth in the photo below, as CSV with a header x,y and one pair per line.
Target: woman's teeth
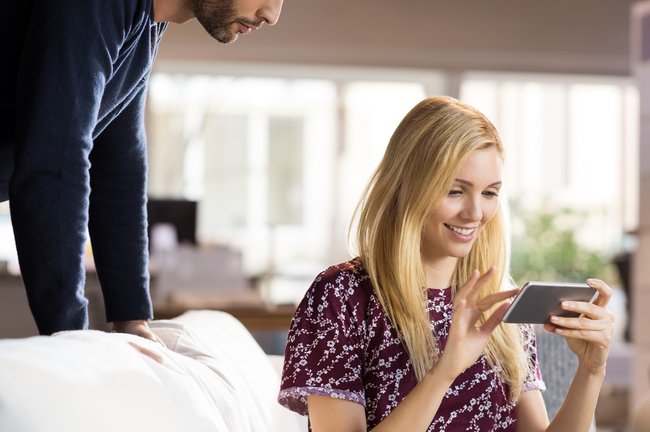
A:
x,y
461,231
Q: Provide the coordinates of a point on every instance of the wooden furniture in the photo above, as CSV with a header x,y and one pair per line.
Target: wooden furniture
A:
x,y
263,318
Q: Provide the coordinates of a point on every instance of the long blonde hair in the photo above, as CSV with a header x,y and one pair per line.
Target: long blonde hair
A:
x,y
418,168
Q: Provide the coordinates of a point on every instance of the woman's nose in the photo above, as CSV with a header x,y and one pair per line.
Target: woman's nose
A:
x,y
472,210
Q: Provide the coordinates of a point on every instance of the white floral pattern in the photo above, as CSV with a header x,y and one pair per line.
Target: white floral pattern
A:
x,y
342,345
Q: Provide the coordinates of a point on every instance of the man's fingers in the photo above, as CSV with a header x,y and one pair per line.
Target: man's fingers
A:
x,y
147,351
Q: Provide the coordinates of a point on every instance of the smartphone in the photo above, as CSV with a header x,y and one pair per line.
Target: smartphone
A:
x,y
537,301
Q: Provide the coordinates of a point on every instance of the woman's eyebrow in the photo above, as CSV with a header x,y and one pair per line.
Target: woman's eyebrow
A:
x,y
469,183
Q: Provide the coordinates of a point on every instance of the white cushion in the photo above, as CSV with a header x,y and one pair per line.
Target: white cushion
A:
x,y
213,377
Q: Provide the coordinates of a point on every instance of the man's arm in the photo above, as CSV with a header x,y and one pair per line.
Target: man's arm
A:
x,y
66,61
118,214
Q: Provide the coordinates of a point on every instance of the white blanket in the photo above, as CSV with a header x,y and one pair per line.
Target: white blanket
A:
x,y
212,376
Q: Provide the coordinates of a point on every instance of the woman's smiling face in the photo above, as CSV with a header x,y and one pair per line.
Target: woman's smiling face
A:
x,y
453,226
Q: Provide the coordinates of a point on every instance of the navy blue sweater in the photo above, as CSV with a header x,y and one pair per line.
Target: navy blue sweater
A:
x,y
80,156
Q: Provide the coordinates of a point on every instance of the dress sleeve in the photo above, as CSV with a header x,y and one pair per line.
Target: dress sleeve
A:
x,y
533,380
325,346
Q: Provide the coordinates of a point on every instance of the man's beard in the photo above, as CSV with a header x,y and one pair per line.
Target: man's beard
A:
x,y
217,16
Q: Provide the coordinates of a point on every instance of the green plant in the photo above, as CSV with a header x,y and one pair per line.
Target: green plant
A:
x,y
545,248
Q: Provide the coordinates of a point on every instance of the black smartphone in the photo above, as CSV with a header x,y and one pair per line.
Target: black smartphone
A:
x,y
537,301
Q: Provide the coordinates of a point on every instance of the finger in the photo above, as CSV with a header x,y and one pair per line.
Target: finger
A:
x,y
599,338
148,352
489,300
577,334
495,319
480,283
463,292
550,327
460,315
604,291
464,317
156,339
581,323
591,310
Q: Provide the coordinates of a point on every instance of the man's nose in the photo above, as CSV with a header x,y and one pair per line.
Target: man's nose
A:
x,y
271,12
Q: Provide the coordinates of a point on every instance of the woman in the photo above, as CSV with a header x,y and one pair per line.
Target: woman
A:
x,y
408,335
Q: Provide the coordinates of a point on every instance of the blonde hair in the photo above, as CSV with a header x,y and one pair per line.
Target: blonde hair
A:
x,y
418,168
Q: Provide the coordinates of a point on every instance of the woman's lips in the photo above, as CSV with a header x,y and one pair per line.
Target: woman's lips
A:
x,y
464,234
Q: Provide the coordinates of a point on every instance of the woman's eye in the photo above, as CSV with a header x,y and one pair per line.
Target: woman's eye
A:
x,y
490,194
454,192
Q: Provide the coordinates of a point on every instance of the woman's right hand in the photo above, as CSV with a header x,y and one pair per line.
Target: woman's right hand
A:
x,y
467,340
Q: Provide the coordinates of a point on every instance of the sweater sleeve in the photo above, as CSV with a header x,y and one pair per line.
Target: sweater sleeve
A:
x,y
70,52
118,214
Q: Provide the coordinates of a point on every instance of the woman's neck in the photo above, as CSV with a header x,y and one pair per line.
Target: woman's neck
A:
x,y
438,272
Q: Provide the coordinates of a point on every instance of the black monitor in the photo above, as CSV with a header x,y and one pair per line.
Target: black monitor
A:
x,y
178,212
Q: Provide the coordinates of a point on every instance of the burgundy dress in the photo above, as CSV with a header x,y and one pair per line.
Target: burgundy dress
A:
x,y
342,345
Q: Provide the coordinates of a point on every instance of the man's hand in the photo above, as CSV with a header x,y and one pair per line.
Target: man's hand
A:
x,y
138,328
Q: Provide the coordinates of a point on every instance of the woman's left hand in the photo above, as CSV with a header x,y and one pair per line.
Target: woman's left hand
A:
x,y
588,335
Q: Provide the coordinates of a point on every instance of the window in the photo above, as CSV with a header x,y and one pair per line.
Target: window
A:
x,y
255,152
572,142
276,163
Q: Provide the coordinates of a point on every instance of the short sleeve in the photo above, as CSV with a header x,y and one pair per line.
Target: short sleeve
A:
x,y
533,380
325,345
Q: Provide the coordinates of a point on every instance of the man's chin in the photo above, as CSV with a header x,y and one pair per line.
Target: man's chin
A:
x,y
224,37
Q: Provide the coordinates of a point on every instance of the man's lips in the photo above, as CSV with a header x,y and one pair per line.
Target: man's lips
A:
x,y
243,28
246,27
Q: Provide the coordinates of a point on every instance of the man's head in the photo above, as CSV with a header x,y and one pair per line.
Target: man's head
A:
x,y
226,19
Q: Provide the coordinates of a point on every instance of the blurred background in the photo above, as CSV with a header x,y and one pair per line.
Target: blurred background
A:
x,y
259,151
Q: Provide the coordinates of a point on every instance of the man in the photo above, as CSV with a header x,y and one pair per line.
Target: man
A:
x,y
77,144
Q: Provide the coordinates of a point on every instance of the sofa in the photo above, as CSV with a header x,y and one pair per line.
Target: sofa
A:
x,y
211,375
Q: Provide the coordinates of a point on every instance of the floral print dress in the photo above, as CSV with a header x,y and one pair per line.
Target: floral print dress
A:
x,y
342,345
